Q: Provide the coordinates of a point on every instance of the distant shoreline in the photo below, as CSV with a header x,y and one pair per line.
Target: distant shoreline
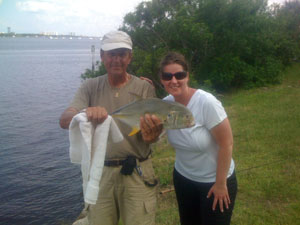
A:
x,y
14,35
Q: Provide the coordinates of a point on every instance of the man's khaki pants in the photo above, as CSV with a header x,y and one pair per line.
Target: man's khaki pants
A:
x,y
126,197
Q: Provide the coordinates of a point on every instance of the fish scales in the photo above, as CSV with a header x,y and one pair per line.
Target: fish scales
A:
x,y
172,114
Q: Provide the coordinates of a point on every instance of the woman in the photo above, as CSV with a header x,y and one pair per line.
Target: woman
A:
x,y
204,178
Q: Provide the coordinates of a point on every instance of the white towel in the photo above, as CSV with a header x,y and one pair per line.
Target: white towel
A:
x,y
85,140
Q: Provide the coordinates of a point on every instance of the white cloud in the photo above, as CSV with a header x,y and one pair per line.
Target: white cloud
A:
x,y
96,16
36,6
270,2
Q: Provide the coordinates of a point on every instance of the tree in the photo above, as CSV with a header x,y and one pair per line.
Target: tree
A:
x,y
229,43
288,20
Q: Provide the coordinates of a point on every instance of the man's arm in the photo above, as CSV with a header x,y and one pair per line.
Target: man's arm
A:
x,y
66,117
94,114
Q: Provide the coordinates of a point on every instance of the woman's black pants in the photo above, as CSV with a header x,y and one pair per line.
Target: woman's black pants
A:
x,y
194,206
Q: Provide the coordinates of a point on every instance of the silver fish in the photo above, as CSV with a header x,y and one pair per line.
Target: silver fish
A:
x,y
172,114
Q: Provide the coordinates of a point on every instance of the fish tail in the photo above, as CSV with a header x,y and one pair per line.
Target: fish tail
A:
x,y
134,131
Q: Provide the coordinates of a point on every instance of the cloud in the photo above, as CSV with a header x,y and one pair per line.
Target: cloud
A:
x,y
270,2
92,15
36,6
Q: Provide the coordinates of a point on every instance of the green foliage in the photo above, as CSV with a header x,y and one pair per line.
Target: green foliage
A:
x,y
238,44
100,70
229,43
288,20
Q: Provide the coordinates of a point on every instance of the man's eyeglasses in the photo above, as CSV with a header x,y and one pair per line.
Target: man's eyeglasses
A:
x,y
179,75
118,53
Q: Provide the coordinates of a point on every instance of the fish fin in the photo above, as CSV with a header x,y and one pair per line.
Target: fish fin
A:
x,y
134,131
119,115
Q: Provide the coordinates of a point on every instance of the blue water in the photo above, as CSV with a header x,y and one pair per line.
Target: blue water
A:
x,y
38,78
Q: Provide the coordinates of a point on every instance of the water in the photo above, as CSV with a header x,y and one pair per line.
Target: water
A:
x,y
38,78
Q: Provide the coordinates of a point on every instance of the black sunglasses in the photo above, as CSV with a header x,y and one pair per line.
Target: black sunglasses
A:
x,y
179,75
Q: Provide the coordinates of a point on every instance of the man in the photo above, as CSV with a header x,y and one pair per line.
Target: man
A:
x,y
127,187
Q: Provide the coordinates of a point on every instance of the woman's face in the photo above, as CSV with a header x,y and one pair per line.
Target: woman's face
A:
x,y
175,87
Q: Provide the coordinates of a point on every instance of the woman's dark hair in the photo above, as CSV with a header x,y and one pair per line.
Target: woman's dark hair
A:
x,y
173,58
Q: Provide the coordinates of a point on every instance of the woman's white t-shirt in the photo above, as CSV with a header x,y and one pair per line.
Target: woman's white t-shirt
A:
x,y
196,149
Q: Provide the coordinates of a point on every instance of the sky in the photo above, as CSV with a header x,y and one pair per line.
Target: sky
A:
x,y
82,17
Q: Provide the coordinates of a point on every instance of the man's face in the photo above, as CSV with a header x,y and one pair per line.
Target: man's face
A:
x,y
116,61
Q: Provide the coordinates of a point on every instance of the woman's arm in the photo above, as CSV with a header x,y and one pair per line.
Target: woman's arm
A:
x,y
223,136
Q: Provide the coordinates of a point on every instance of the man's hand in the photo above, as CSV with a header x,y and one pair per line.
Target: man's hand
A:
x,y
151,128
96,114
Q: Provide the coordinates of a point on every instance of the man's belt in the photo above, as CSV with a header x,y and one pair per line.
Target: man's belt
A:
x,y
116,162
128,165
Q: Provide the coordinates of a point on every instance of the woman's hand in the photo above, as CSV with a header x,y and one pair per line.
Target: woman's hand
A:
x,y
221,196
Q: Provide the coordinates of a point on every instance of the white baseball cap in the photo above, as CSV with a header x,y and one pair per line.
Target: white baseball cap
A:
x,y
116,39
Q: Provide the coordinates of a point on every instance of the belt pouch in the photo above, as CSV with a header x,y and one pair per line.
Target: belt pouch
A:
x,y
128,165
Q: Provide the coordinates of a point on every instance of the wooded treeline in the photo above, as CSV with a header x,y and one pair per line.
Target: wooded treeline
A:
x,y
229,43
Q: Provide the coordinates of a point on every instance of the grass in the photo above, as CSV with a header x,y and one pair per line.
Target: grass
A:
x,y
266,129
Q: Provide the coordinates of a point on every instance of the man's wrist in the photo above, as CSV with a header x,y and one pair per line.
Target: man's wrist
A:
x,y
152,141
83,110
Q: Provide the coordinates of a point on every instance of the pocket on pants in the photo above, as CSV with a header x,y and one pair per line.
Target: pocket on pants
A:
x,y
150,205
148,174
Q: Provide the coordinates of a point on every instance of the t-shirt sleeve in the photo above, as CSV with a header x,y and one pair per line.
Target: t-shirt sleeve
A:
x,y
81,98
213,112
148,90
169,98
151,92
